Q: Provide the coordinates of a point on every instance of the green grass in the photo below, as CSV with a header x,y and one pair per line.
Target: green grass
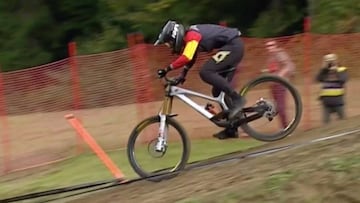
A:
x,y
343,165
88,168
276,182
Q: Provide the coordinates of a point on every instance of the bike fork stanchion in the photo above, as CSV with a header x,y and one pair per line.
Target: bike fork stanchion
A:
x,y
162,134
76,124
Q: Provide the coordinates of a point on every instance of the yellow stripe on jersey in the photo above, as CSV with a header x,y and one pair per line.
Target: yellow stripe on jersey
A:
x,y
190,49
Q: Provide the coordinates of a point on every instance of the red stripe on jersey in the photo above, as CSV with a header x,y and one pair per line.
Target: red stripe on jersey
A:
x,y
183,60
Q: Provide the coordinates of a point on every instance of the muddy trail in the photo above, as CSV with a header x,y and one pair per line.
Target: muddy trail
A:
x,y
324,171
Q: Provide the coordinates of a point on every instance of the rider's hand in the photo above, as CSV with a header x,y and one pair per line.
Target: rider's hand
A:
x,y
180,79
162,72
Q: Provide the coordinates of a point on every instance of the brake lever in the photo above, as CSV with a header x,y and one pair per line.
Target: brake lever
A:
x,y
169,81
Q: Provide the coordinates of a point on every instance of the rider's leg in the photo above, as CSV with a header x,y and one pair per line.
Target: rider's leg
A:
x,y
215,92
230,132
229,77
228,56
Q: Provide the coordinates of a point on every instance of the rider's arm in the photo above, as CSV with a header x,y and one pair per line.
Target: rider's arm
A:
x,y
192,39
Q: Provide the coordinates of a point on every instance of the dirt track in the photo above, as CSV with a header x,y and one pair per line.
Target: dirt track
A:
x,y
319,172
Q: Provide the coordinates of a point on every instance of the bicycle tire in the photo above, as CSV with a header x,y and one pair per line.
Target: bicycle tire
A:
x,y
168,172
298,108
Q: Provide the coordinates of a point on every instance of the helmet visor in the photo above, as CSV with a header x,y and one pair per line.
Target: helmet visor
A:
x,y
159,40
164,35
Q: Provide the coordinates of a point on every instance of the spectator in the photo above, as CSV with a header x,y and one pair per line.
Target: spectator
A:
x,y
333,78
280,64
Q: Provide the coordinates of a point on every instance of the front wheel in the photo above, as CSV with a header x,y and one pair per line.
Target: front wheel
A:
x,y
144,156
278,108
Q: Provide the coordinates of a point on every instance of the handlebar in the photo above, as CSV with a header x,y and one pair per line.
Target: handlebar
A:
x,y
171,80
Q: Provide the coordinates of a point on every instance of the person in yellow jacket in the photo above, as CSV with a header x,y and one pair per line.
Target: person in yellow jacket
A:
x,y
333,78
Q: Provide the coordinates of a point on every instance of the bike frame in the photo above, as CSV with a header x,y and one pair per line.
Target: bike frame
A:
x,y
185,94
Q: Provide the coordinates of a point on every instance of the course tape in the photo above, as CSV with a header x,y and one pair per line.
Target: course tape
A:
x,y
101,185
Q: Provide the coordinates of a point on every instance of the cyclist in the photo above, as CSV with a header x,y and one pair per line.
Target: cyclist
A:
x,y
187,42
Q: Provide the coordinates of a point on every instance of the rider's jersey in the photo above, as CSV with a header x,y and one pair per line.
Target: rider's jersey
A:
x,y
204,38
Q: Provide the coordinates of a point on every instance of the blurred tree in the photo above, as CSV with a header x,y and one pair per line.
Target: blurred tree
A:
x,y
37,31
34,32
283,17
18,49
149,17
71,20
140,16
335,16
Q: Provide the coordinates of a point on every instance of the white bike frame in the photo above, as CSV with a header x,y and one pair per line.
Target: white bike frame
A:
x,y
185,94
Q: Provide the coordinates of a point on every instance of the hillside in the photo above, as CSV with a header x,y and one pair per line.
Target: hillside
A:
x,y
326,171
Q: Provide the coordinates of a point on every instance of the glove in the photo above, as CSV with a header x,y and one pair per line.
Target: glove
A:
x,y
181,78
162,72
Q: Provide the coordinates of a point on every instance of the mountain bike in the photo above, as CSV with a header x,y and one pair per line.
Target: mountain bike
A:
x,y
155,136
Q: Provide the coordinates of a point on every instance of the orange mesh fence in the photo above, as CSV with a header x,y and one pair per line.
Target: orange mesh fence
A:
x,y
111,92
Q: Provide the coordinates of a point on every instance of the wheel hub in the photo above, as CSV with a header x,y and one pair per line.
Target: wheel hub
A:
x,y
154,150
270,110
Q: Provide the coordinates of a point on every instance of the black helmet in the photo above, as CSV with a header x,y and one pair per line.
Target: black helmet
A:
x,y
173,34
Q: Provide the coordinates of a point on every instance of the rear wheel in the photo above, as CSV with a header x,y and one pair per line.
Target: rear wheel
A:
x,y
275,103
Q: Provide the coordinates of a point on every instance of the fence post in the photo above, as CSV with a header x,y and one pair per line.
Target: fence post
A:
x,y
5,133
307,73
141,75
139,59
95,147
75,84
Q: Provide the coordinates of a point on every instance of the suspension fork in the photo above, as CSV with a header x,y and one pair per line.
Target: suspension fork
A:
x,y
166,106
163,130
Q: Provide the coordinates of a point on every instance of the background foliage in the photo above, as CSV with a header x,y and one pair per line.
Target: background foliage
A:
x,y
35,32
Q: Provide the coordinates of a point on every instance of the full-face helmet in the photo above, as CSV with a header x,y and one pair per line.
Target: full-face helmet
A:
x,y
172,34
